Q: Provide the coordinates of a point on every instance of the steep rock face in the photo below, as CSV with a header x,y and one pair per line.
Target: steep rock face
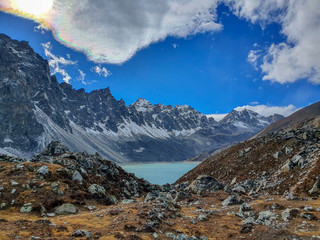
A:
x,y
35,110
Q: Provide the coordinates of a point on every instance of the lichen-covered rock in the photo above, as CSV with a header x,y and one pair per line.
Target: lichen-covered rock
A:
x,y
96,189
65,209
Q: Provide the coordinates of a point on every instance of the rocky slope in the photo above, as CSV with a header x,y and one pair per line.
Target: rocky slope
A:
x,y
59,176
65,195
281,162
35,110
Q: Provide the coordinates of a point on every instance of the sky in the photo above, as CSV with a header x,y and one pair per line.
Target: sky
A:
x,y
213,55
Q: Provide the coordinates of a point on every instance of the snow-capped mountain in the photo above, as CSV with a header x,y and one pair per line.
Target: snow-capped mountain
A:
x,y
35,109
249,119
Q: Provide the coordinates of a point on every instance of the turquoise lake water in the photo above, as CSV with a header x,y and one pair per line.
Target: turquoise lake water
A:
x,y
160,173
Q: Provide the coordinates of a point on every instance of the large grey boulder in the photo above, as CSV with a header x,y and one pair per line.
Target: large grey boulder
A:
x,y
232,200
96,189
267,218
65,209
205,183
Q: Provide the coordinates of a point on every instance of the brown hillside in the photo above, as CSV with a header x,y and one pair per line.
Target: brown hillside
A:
x,y
280,162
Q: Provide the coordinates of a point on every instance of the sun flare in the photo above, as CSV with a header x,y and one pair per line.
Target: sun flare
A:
x,y
34,7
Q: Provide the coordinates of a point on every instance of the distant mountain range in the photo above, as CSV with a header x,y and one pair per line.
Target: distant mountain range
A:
x,y
35,109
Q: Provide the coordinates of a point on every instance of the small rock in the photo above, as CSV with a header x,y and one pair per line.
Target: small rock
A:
x,y
289,214
170,235
128,201
13,191
246,228
308,208
14,183
203,238
202,217
66,208
315,189
181,236
232,200
55,184
309,216
34,238
81,233
43,170
26,209
77,176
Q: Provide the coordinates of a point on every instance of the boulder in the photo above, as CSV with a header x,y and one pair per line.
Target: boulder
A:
x,y
289,214
96,189
205,183
55,148
77,176
65,209
315,189
266,218
26,209
232,200
43,170
81,233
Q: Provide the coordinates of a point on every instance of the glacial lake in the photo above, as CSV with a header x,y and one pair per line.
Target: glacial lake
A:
x,y
160,173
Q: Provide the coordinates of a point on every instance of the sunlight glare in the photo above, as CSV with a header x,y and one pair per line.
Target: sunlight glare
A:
x,y
34,7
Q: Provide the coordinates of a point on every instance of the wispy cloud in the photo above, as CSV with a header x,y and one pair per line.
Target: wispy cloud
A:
x,y
82,76
57,63
175,45
253,58
101,71
40,28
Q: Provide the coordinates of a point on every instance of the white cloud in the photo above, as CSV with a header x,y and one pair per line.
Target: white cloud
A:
x,y
266,111
253,58
56,63
41,28
299,56
82,76
101,71
263,110
217,116
113,31
175,45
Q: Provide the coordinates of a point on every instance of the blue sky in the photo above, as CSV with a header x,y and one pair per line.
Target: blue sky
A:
x,y
208,70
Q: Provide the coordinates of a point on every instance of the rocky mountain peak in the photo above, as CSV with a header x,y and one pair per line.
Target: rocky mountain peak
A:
x,y
142,105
